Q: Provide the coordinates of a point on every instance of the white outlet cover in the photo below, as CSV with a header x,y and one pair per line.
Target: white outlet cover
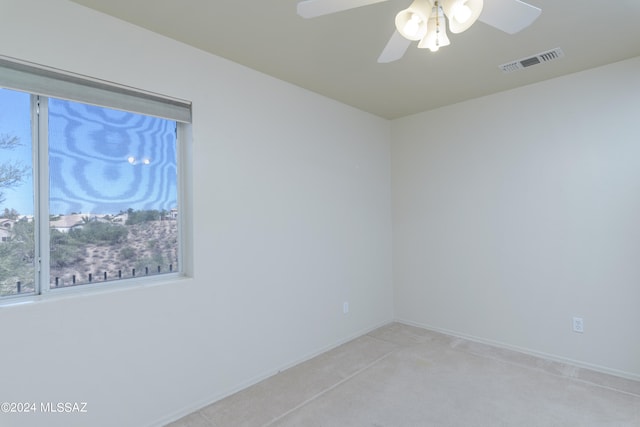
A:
x,y
578,325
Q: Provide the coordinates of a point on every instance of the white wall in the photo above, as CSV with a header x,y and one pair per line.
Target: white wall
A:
x,y
515,212
291,217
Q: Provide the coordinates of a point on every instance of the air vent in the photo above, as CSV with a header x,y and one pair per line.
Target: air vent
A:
x,y
542,57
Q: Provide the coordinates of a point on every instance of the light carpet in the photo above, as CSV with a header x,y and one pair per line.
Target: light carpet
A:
x,y
400,375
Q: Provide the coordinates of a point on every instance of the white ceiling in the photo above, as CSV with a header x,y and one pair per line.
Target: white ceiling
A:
x,y
335,55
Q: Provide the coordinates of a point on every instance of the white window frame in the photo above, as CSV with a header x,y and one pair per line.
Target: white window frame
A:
x,y
43,83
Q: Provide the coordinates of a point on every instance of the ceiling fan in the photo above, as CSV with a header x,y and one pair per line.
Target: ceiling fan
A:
x,y
426,20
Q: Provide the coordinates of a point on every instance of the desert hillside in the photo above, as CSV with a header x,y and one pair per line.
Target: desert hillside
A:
x,y
148,245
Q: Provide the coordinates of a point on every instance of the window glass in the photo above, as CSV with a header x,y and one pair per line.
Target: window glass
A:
x,y
112,194
17,243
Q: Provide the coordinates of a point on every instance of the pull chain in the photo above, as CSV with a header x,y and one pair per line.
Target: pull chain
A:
x,y
437,6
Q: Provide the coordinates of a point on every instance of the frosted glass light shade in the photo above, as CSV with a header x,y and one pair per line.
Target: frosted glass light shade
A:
x,y
411,22
435,39
462,13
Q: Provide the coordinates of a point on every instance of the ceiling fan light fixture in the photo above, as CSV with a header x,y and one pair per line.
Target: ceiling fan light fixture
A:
x,y
436,36
411,22
462,13
425,21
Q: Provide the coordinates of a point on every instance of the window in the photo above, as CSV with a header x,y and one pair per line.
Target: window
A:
x,y
89,195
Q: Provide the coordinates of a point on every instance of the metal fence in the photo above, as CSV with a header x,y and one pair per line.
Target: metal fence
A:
x,y
103,276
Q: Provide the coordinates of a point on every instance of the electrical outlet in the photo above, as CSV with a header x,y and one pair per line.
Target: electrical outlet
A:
x,y
345,307
578,325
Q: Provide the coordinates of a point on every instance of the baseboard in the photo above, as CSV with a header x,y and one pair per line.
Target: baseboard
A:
x,y
206,401
527,351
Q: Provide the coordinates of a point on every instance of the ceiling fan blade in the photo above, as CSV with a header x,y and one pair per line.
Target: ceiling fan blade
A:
x,y
313,8
395,48
510,16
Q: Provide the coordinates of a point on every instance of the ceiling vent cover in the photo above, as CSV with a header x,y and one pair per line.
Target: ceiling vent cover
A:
x,y
539,58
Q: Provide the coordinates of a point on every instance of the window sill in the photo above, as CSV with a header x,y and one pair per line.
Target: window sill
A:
x,y
89,290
